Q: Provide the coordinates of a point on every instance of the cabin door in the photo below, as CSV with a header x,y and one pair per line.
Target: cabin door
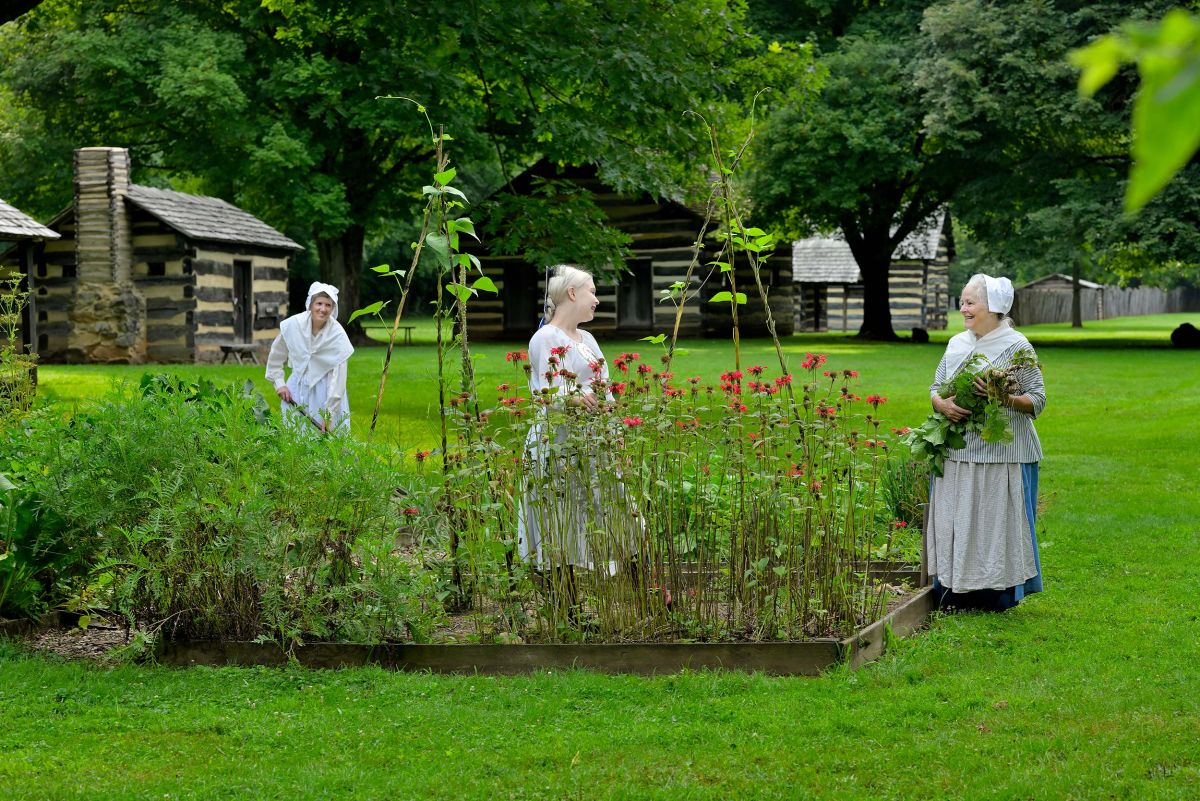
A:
x,y
243,302
635,295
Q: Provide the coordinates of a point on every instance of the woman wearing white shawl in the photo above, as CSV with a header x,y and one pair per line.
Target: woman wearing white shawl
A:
x,y
316,347
982,543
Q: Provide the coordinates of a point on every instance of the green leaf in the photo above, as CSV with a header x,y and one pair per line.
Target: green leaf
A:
x,y
382,269
657,339
374,308
463,293
446,176
721,297
486,284
440,245
465,225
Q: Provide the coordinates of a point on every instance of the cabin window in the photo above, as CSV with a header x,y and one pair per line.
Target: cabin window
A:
x,y
187,290
41,272
156,269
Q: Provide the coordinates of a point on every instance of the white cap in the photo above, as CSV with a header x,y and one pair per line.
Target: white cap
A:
x,y
999,294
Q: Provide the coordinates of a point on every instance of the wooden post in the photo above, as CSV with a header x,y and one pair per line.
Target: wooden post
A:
x,y
29,318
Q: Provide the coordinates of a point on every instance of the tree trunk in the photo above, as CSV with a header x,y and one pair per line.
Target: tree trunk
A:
x,y
341,265
872,248
1076,307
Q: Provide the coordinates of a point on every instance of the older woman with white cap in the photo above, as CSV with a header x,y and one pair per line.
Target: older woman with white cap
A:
x,y
316,347
982,542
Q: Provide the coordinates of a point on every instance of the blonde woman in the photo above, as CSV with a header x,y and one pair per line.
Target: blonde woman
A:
x,y
562,508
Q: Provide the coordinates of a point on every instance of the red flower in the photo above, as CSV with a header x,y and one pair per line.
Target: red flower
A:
x,y
736,375
737,407
815,487
632,421
813,360
797,471
826,411
516,356
644,368
422,455
561,350
672,392
901,431
783,379
753,437
694,379
503,388
900,523
618,388
756,369
876,400
850,373
511,401
596,367
412,510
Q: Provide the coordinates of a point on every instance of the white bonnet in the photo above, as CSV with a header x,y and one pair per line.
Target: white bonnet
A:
x,y
999,294
329,289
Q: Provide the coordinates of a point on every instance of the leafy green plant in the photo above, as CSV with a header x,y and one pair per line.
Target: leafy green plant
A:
x,y
933,440
17,385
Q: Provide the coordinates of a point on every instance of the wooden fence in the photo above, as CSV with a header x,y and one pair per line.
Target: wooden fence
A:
x,y
1101,304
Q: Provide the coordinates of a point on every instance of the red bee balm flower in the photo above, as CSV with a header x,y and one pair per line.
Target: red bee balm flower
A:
x,y
632,421
876,400
412,510
561,350
422,455
516,356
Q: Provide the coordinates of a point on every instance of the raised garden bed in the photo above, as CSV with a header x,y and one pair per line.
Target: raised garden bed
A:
x,y
806,658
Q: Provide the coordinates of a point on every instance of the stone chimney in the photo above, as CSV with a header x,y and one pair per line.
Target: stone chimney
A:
x,y
107,315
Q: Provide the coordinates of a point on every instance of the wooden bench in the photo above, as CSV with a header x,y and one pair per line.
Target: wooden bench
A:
x,y
239,349
407,329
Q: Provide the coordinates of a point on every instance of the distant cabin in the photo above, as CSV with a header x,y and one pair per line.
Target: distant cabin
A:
x,y
22,238
663,233
1048,300
141,274
829,289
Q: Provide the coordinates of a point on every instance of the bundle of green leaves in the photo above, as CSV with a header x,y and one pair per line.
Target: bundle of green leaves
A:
x,y
933,440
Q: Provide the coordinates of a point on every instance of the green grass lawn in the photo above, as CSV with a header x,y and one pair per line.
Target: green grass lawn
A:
x,y
1088,691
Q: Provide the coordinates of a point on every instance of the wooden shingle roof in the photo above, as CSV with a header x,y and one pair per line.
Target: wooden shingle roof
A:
x,y
207,218
828,260
15,224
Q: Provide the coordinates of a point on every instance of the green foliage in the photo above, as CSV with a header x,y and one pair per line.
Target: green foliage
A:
x,y
38,565
273,105
17,367
205,518
1166,111
933,440
556,222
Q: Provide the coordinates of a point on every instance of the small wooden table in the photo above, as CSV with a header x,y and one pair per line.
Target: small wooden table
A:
x,y
407,329
239,349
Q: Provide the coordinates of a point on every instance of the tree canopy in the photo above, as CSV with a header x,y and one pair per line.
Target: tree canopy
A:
x,y
273,105
973,104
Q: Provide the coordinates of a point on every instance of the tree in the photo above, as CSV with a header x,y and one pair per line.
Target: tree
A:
x,y
971,103
1049,190
858,159
273,104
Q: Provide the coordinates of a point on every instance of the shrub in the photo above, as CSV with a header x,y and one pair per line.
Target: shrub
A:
x,y
213,519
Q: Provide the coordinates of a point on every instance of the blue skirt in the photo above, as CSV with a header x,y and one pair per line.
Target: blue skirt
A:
x,y
999,600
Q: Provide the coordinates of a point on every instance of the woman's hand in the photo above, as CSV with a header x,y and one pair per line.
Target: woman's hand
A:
x,y
980,387
284,394
590,401
949,409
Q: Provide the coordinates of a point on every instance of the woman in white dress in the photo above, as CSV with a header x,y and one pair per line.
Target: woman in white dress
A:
x,y
983,550
573,511
314,344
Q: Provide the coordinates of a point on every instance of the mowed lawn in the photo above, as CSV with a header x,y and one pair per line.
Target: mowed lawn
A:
x,y
1088,691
